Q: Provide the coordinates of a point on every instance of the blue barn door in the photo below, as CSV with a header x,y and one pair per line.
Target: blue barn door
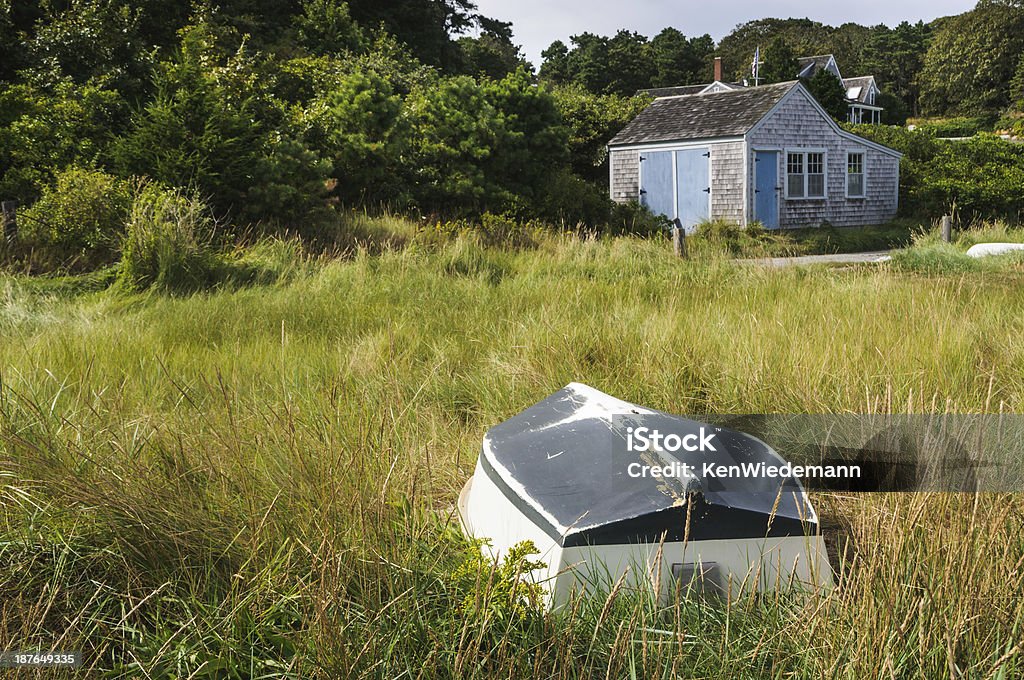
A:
x,y
657,190
693,186
766,194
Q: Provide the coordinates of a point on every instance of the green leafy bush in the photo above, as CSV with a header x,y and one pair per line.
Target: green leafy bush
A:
x,y
168,243
214,126
503,590
43,131
961,126
979,178
78,222
633,218
571,202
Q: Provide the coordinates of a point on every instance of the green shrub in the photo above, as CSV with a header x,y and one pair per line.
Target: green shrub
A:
x,y
168,243
934,258
634,219
980,178
78,222
571,202
504,590
961,126
1011,124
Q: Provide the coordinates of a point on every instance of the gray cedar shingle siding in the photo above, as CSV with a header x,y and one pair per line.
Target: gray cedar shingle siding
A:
x,y
727,181
791,127
796,123
625,175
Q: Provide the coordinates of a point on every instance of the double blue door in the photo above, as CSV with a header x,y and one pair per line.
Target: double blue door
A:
x,y
677,184
766,191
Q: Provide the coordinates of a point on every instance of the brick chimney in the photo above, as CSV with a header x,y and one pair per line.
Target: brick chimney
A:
x,y
718,68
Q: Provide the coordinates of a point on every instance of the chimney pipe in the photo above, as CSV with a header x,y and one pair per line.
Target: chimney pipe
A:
x,y
718,68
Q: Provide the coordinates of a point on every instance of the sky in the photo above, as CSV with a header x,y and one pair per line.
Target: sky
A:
x,y
538,23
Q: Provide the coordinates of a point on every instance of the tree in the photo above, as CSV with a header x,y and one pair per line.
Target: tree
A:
x,y
555,64
215,128
491,54
629,63
591,120
476,147
43,132
779,63
91,40
363,139
678,60
621,64
588,62
895,57
803,36
1017,86
972,58
425,26
325,27
829,92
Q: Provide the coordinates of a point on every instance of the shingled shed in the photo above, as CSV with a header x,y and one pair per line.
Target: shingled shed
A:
x,y
769,154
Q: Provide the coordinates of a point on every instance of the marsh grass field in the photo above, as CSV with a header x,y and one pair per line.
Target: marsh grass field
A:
x,y
259,482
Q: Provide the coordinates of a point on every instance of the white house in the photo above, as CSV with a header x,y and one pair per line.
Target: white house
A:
x,y
861,92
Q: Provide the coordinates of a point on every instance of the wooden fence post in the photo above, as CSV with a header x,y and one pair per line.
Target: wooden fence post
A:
x,y
678,238
10,221
947,228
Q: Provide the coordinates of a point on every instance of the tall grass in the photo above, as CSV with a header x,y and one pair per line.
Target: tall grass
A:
x,y
259,482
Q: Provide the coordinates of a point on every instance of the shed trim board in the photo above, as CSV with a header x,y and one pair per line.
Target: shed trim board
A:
x,y
673,145
747,180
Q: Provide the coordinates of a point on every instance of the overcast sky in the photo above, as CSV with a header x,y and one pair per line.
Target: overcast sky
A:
x,y
538,23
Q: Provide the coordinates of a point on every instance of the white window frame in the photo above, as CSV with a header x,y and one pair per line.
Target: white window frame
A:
x,y
863,173
824,168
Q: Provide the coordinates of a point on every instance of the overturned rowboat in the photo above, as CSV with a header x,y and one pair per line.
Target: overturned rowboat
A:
x,y
614,493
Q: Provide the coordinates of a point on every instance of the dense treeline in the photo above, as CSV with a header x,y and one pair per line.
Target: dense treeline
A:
x,y
273,109
968,64
275,112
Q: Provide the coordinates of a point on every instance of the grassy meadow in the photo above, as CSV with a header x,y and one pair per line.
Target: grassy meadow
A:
x,y
259,482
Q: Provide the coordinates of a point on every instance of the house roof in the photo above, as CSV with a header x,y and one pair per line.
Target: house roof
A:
x,y
811,65
702,116
673,91
681,90
857,88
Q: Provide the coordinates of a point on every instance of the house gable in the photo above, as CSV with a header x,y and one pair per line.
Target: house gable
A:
x,y
811,65
798,125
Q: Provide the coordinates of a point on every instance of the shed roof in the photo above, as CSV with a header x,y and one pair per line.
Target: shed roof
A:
x,y
702,116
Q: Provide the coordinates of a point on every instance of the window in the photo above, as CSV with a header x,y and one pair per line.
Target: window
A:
x,y
805,174
855,174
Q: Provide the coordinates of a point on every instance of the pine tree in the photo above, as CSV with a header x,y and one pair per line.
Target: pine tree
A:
x,y
779,62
